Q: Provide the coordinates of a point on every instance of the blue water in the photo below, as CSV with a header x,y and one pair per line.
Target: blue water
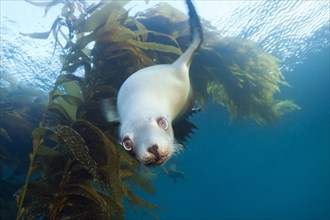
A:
x,y
239,170
245,171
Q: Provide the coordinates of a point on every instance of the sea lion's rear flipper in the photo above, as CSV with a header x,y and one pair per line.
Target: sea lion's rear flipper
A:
x,y
196,37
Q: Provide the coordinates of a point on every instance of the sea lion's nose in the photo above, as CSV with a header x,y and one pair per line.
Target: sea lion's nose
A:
x,y
154,150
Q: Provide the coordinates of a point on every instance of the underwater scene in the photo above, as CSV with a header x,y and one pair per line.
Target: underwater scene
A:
x,y
250,142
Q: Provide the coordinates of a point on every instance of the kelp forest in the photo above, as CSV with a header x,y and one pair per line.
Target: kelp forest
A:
x,y
72,151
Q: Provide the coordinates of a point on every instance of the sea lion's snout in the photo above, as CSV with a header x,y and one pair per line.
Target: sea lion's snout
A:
x,y
154,151
155,156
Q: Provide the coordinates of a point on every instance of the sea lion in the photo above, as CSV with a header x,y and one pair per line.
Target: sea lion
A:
x,y
154,98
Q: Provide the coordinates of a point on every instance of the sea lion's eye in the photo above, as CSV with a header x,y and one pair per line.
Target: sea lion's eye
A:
x,y
162,122
128,144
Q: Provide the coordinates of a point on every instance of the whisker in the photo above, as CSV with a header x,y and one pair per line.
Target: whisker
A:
x,y
177,149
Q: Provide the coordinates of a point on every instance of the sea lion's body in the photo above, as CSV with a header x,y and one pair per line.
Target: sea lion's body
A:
x,y
151,99
162,89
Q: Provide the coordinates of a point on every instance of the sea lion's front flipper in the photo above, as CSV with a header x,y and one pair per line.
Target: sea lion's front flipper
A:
x,y
109,108
183,130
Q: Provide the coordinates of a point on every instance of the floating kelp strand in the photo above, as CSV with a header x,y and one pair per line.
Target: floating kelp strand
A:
x,y
141,178
135,200
20,197
77,146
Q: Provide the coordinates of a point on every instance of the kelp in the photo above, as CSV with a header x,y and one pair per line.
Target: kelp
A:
x,y
75,162
81,167
244,80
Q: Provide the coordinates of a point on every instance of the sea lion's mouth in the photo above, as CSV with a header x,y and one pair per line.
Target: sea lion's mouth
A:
x,y
155,159
154,163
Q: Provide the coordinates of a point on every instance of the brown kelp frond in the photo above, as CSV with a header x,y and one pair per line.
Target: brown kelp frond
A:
x,y
81,167
138,178
110,155
118,166
244,79
66,97
136,201
102,200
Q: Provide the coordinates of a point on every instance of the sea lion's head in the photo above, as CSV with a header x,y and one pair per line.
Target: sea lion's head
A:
x,y
150,140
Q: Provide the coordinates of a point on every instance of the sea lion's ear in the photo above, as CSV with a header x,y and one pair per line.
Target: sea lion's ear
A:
x,y
109,110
